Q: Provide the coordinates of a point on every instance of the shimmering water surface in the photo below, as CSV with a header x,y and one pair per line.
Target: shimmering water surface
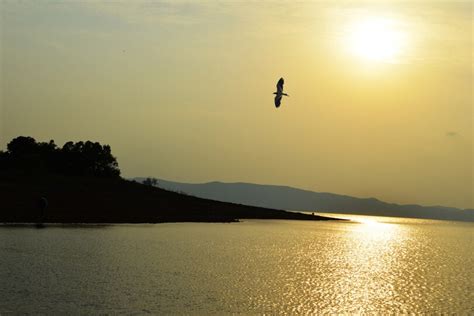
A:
x,y
377,265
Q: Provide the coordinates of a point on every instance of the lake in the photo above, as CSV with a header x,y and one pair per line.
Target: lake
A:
x,y
375,265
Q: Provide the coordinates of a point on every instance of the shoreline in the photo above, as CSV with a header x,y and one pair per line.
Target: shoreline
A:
x,y
168,221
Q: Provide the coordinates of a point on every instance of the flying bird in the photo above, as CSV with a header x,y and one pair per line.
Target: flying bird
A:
x,y
279,93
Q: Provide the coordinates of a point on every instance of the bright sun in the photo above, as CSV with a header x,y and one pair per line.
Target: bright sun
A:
x,y
375,39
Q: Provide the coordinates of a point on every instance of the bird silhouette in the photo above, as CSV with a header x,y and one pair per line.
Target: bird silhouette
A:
x,y
279,93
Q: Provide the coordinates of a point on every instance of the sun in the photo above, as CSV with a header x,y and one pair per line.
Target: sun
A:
x,y
375,39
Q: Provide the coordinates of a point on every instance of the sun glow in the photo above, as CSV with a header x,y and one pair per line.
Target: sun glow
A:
x,y
375,39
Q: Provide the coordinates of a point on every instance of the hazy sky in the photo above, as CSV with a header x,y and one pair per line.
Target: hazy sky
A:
x,y
380,92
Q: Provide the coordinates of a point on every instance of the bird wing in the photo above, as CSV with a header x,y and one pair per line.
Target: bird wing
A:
x,y
278,100
280,85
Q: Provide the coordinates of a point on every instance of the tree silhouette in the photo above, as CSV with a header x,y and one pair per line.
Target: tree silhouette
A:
x,y
150,181
22,146
86,159
25,153
89,159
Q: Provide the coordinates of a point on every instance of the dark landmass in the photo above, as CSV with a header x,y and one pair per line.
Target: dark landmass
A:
x,y
288,198
86,199
80,182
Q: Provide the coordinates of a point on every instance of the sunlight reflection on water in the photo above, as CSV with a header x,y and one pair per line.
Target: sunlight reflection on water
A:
x,y
369,266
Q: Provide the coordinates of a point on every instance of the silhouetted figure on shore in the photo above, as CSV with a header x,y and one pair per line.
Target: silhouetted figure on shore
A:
x,y
43,205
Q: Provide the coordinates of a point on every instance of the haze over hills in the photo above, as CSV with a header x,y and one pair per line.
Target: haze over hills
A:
x,y
284,197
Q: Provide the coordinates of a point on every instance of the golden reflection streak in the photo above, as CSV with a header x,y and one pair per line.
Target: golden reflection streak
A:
x,y
372,250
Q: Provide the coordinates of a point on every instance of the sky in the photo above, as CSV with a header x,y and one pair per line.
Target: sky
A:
x,y
380,92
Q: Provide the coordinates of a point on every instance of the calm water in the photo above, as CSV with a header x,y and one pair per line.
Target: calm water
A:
x,y
393,265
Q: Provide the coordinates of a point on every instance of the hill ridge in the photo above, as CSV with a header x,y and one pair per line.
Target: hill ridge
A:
x,y
296,199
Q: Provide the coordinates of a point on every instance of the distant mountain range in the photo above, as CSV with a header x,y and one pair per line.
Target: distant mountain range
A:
x,y
288,198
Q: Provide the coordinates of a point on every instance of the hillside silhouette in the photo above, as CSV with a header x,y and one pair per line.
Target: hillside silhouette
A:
x,y
81,183
288,198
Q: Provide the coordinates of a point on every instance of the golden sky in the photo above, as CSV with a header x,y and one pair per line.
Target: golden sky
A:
x,y
380,92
